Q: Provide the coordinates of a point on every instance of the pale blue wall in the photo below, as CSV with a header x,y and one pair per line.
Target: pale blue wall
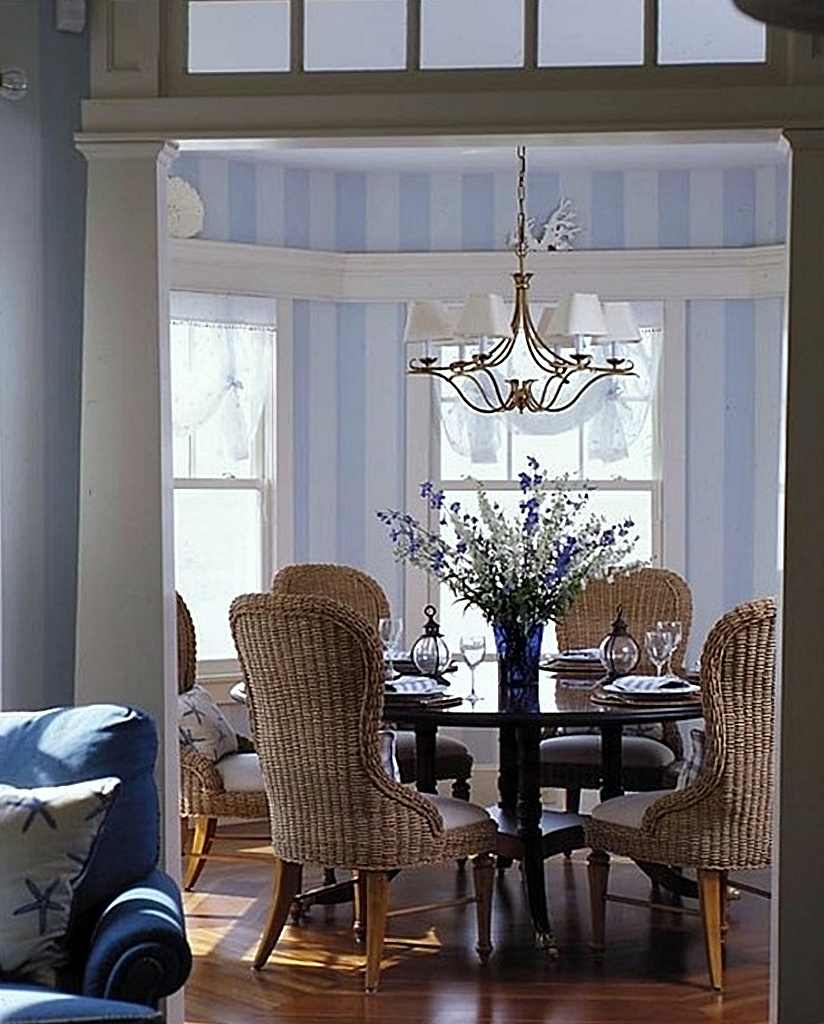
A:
x,y
349,384
42,204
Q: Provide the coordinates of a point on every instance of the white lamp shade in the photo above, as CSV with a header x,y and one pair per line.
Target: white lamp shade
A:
x,y
578,314
428,321
621,324
545,333
484,316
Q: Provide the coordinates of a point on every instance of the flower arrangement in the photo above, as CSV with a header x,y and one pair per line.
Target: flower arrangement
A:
x,y
521,570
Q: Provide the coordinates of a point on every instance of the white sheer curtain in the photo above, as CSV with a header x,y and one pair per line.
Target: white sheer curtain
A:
x,y
615,409
219,365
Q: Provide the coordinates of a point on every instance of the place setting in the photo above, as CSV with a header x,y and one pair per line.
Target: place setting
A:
x,y
662,688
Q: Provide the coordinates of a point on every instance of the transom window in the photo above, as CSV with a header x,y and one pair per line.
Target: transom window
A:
x,y
251,36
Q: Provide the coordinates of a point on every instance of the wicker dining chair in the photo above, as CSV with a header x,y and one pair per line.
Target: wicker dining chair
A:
x,y
651,754
232,787
721,821
314,679
362,593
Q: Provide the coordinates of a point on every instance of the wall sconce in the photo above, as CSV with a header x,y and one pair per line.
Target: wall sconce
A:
x,y
14,83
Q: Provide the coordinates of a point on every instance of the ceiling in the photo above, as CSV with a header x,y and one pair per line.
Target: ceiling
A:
x,y
728,149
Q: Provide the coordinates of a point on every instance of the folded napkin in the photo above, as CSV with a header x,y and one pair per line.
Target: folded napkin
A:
x,y
584,654
651,685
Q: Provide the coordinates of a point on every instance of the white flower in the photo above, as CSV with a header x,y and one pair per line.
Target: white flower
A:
x,y
527,569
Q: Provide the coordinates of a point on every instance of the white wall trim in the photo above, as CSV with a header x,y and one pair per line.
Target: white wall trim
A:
x,y
673,426
630,274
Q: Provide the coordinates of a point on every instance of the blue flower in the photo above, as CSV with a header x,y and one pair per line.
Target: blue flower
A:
x,y
528,567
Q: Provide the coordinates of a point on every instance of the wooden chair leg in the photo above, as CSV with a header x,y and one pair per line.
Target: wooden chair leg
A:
x,y
483,880
377,903
359,922
711,898
285,885
598,873
204,834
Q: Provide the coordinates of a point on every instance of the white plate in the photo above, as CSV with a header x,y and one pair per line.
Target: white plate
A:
x,y
651,687
414,685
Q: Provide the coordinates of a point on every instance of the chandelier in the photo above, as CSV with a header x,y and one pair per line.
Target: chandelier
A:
x,y
517,365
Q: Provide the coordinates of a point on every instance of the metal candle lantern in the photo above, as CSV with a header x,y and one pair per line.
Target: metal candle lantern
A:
x,y
619,651
429,652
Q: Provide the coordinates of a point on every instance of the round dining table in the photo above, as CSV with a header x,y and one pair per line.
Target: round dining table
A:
x,y
527,829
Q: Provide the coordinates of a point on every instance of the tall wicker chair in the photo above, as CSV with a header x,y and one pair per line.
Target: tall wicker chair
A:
x,y
722,821
362,593
209,791
572,760
314,680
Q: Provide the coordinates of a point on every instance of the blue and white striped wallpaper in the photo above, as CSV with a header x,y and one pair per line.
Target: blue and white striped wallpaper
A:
x,y
347,211
349,385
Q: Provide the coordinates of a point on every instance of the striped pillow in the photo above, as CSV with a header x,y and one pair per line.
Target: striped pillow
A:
x,y
692,766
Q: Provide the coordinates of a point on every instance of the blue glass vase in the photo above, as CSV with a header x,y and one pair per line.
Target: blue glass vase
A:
x,y
518,647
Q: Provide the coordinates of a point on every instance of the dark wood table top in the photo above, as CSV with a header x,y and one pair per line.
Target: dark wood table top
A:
x,y
559,701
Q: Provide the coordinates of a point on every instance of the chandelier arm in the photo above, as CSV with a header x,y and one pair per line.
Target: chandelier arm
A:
x,y
496,356
454,380
473,375
551,406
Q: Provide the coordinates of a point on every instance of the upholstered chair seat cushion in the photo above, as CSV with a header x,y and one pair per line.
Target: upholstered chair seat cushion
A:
x,y
240,773
458,813
625,810
452,759
584,748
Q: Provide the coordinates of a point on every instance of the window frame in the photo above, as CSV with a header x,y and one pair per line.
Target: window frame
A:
x,y
215,669
296,80
423,461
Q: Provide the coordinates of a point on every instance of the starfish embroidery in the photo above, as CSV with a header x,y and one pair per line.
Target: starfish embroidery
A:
x,y
42,903
193,709
186,737
36,807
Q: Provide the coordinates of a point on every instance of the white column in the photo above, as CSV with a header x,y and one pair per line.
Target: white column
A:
x,y
797,989
126,649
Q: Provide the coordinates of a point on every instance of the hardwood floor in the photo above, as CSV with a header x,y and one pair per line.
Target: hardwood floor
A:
x,y
653,968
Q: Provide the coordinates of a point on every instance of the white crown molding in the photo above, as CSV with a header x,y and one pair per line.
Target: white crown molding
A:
x,y
639,274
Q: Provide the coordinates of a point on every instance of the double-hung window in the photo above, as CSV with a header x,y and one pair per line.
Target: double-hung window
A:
x,y
606,444
222,387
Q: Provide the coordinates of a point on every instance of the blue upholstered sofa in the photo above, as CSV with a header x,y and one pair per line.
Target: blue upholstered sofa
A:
x,y
121,941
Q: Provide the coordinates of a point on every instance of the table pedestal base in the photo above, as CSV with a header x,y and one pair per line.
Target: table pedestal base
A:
x,y
559,831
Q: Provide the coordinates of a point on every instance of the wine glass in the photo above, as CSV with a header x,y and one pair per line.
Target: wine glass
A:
x,y
473,649
658,645
389,630
674,626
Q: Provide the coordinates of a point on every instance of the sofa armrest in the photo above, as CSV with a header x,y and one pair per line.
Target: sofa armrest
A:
x,y
139,951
